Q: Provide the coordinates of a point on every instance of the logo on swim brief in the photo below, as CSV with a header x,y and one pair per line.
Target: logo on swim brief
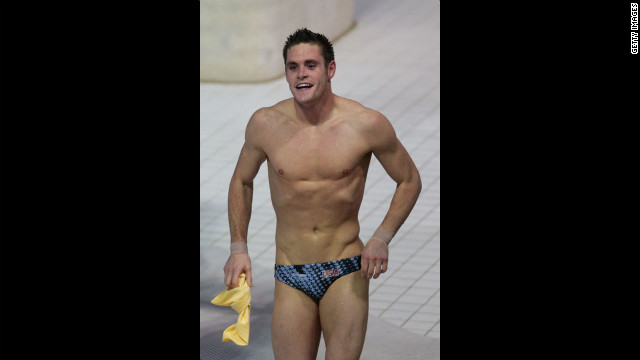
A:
x,y
330,273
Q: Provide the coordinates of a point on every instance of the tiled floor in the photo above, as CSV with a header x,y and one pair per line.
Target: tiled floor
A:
x,y
390,61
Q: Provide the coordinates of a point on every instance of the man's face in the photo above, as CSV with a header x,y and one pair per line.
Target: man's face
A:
x,y
306,74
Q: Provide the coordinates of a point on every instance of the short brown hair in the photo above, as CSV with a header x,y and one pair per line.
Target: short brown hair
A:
x,y
305,36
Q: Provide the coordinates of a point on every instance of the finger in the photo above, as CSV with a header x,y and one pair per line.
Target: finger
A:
x,y
378,269
234,278
363,267
385,265
372,269
227,276
249,282
366,269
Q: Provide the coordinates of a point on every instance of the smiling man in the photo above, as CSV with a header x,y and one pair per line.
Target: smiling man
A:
x,y
318,147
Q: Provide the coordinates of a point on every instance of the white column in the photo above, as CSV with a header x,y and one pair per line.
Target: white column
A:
x,y
242,40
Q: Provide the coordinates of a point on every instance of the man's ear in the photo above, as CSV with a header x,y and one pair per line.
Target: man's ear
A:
x,y
331,70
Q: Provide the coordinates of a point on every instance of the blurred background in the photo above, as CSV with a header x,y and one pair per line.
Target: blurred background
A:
x,y
388,58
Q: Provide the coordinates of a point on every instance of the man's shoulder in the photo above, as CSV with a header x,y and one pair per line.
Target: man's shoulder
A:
x,y
361,114
364,118
349,105
277,111
371,124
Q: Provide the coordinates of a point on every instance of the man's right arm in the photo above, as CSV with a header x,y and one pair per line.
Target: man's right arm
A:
x,y
251,158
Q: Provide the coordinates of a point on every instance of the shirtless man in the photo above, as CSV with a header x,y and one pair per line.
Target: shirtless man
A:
x,y
318,147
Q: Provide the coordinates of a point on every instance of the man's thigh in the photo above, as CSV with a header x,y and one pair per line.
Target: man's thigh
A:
x,y
295,325
344,311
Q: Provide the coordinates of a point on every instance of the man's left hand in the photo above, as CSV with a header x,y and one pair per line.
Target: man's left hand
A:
x,y
375,256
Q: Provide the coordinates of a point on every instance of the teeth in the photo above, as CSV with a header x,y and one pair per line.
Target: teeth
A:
x,y
303,86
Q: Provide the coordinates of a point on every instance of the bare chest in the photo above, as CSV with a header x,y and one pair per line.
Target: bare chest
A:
x,y
317,154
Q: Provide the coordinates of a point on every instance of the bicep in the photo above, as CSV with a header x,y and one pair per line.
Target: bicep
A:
x,y
390,152
249,162
252,154
396,161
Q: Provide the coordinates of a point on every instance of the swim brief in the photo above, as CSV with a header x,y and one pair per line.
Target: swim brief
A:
x,y
315,279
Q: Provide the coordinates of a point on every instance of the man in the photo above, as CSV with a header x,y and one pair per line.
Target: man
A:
x,y
318,148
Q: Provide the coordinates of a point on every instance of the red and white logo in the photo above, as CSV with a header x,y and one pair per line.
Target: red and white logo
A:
x,y
330,273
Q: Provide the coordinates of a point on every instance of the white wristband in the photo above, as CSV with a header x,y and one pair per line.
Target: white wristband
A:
x,y
384,235
239,247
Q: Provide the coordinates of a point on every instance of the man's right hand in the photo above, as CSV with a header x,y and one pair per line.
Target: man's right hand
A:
x,y
236,265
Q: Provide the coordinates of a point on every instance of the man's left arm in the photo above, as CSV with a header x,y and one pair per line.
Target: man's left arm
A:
x,y
396,161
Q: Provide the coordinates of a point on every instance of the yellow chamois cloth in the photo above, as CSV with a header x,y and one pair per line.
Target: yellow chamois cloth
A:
x,y
239,299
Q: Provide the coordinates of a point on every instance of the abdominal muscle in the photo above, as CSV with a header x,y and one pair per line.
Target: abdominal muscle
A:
x,y
317,221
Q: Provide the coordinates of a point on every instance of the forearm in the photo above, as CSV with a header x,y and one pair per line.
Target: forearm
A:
x,y
240,200
403,201
375,255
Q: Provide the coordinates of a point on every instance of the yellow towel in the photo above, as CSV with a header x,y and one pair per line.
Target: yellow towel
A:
x,y
239,299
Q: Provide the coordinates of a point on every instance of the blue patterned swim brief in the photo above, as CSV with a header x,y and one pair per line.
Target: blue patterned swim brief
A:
x,y
315,279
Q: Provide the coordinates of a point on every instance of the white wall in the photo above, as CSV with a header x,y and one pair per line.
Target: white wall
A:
x,y
242,40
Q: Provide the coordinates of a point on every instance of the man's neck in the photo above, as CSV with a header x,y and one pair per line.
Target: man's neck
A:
x,y
316,113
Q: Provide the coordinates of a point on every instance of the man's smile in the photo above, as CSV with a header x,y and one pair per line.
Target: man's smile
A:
x,y
304,86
